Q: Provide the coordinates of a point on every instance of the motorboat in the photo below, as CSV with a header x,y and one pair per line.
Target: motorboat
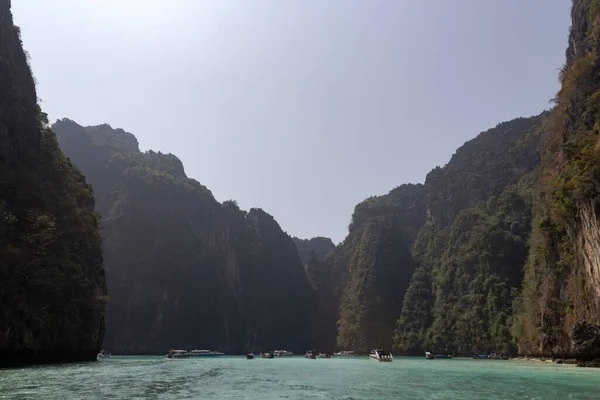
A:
x,y
381,355
312,354
206,353
177,353
345,353
283,353
431,356
324,355
250,356
193,353
267,354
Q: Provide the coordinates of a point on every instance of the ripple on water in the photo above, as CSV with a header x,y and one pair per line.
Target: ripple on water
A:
x,y
298,378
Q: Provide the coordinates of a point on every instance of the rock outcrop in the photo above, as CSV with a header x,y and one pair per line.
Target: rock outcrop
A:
x,y
52,286
321,246
184,270
585,344
562,281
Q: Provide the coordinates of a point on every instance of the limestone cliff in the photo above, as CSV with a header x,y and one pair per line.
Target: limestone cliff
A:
x,y
52,286
562,283
184,270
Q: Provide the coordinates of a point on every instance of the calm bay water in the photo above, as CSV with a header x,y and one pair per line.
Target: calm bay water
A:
x,y
300,378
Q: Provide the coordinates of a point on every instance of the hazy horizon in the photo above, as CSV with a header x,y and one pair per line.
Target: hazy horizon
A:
x,y
300,108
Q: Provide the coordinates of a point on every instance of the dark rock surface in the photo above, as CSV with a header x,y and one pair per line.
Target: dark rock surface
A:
x,y
585,343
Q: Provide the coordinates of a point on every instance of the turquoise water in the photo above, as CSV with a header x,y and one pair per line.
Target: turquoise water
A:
x,y
300,378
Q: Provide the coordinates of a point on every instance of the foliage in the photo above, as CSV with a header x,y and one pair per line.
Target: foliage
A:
x,y
175,257
473,282
560,285
370,270
51,276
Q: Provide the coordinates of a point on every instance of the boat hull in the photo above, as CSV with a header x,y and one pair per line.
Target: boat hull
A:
x,y
381,359
381,355
345,354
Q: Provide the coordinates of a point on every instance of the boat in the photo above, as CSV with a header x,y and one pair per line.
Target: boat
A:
x,y
283,353
480,356
206,353
103,354
324,355
193,353
345,353
176,353
381,355
267,354
312,354
431,356
250,356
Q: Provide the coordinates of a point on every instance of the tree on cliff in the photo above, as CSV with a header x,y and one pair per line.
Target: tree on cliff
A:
x,y
52,285
183,269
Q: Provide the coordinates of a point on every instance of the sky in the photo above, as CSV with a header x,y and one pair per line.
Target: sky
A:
x,y
303,108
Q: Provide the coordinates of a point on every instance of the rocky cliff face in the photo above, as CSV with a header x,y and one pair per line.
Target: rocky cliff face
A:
x,y
52,285
446,256
474,244
321,246
184,270
363,281
562,283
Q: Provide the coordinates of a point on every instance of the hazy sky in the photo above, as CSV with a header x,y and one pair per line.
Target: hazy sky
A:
x,y
301,107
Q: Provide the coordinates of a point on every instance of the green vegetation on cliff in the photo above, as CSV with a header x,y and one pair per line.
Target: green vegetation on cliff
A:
x,y
504,240
51,276
437,266
474,245
562,281
369,271
183,269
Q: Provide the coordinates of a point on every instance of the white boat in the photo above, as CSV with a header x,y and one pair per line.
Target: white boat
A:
x,y
282,353
206,353
381,355
345,353
193,353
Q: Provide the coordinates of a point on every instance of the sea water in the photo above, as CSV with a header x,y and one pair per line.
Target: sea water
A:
x,y
300,378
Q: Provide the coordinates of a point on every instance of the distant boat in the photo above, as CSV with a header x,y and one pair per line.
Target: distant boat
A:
x,y
267,354
345,353
103,354
480,356
283,353
193,353
431,356
250,356
312,354
324,355
381,355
